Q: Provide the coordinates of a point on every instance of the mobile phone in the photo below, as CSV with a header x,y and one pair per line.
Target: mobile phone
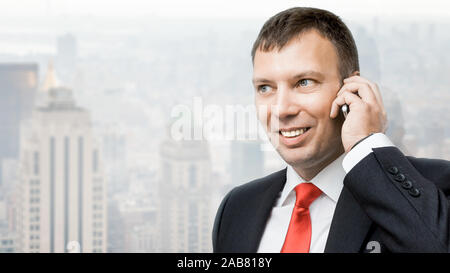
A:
x,y
345,109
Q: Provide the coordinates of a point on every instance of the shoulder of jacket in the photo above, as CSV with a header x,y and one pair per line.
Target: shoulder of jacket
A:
x,y
258,185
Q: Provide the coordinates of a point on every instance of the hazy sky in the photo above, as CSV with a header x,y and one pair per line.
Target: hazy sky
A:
x,y
218,8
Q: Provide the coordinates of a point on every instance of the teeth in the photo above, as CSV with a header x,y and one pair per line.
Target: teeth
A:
x,y
293,133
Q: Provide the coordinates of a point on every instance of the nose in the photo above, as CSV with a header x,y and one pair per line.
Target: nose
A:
x,y
286,105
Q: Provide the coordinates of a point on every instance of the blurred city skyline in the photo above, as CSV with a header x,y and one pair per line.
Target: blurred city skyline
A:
x,y
128,71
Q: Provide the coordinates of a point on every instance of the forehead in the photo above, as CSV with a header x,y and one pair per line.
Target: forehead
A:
x,y
308,51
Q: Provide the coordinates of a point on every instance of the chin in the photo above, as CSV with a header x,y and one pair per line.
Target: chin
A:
x,y
297,156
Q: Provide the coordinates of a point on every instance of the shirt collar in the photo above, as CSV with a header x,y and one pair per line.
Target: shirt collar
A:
x,y
330,181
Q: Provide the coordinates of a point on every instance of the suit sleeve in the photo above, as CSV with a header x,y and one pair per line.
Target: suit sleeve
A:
x,y
411,211
217,224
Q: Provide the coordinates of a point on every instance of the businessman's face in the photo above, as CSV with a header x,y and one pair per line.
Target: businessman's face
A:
x,y
297,85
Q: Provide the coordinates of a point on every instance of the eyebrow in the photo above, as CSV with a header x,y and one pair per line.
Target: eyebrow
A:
x,y
308,73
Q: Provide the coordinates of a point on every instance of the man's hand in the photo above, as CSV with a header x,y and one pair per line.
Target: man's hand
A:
x,y
367,114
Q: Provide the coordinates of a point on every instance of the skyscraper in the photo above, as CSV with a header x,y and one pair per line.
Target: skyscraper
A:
x,y
185,212
247,161
66,56
62,188
18,84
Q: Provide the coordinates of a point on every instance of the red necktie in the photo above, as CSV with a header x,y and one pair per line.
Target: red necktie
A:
x,y
298,237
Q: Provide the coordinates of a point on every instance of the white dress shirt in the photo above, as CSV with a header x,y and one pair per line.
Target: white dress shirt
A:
x,y
330,182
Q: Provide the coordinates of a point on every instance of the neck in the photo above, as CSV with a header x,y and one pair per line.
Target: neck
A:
x,y
310,172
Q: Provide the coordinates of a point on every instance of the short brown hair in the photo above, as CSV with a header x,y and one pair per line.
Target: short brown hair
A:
x,y
284,26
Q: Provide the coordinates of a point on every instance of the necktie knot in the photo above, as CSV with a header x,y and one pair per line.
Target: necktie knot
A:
x,y
306,193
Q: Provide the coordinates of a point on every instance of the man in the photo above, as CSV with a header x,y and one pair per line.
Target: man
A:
x,y
347,188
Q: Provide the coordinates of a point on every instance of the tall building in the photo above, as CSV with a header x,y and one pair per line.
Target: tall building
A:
x,y
116,227
7,243
7,235
62,188
396,128
18,84
140,231
185,212
144,239
247,161
67,48
115,158
66,56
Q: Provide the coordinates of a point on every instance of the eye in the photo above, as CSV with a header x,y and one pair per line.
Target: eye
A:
x,y
264,89
305,82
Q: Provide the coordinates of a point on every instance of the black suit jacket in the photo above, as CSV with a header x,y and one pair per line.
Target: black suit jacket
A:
x,y
389,203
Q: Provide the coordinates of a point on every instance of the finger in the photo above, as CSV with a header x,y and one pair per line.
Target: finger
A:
x,y
363,89
345,98
377,93
375,89
373,85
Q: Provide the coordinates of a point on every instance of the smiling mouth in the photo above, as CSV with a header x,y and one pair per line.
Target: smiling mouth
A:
x,y
291,133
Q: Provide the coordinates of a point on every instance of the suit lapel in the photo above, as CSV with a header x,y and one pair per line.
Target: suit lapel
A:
x,y
262,208
348,230
349,226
